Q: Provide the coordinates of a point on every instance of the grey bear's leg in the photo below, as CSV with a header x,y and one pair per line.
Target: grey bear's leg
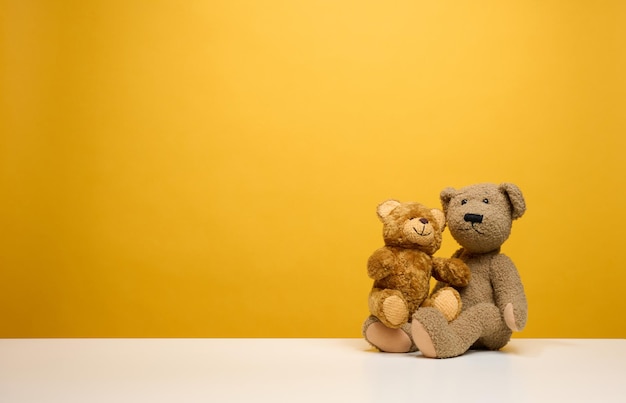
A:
x,y
496,335
436,338
387,339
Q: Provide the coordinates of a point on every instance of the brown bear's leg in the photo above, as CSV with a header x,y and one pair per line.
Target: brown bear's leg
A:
x,y
386,339
435,338
389,306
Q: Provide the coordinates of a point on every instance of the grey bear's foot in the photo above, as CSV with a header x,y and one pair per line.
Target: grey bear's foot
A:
x,y
433,335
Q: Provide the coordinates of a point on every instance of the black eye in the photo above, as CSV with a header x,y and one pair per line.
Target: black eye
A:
x,y
464,201
486,201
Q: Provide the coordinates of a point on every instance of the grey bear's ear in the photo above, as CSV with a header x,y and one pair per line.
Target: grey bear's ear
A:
x,y
446,195
518,205
385,208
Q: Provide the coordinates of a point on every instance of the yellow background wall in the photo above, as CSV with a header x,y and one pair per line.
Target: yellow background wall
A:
x,y
212,168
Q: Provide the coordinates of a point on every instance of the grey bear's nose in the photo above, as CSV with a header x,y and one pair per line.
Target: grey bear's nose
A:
x,y
473,218
424,220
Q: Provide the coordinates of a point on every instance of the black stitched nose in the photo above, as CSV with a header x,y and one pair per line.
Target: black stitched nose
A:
x,y
473,218
424,220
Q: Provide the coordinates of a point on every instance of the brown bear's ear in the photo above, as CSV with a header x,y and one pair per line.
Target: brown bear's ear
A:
x,y
439,217
446,195
385,208
518,205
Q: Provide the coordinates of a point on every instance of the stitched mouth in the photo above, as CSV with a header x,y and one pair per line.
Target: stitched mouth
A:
x,y
423,233
472,228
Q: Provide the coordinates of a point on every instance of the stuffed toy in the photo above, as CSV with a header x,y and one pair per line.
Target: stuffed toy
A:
x,y
402,269
494,304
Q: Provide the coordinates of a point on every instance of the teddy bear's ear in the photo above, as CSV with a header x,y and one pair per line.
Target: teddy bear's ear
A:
x,y
518,205
439,217
446,195
385,208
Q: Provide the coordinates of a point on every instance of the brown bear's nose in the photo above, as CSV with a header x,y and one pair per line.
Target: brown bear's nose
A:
x,y
424,220
473,218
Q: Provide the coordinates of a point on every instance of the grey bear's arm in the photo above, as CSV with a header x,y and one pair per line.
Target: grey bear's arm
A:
x,y
380,264
509,291
452,271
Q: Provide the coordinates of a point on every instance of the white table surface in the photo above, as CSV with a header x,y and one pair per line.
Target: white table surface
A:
x,y
305,370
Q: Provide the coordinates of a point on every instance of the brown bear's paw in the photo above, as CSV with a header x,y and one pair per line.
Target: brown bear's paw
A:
x,y
395,312
448,301
459,272
386,339
389,306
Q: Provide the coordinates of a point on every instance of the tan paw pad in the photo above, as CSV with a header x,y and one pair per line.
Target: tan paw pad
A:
x,y
395,310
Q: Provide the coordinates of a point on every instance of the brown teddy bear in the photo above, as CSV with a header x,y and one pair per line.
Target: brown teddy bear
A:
x,y
494,304
401,270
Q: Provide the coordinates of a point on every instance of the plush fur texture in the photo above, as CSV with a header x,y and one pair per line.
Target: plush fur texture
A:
x,y
401,271
494,303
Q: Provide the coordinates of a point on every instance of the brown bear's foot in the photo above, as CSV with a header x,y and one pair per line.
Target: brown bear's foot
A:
x,y
448,301
389,306
386,339
433,336
395,311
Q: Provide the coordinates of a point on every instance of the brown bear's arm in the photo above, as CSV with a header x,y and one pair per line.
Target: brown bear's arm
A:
x,y
380,263
508,289
458,253
452,271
